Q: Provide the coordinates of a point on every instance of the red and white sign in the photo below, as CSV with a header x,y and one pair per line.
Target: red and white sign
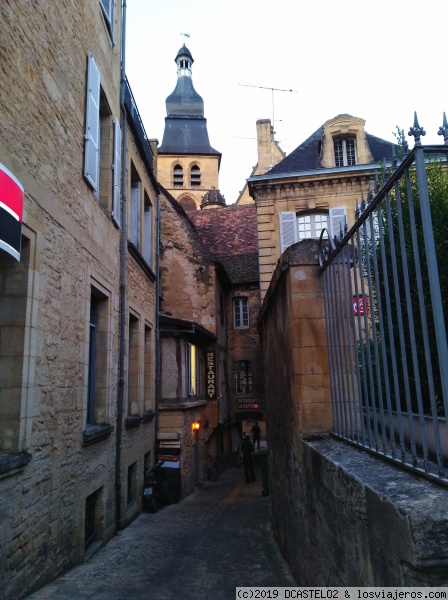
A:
x,y
11,212
360,305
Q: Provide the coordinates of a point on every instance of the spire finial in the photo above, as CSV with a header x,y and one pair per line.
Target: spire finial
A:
x,y
443,130
416,131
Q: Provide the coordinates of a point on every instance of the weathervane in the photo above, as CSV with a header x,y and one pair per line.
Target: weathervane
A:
x,y
185,35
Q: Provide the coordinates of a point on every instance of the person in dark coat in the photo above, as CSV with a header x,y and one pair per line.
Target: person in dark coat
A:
x,y
248,459
256,434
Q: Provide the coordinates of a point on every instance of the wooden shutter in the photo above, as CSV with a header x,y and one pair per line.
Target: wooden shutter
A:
x,y
92,135
108,8
147,232
117,173
338,220
135,214
288,230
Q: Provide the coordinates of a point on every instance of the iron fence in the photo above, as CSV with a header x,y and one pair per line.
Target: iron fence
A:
x,y
386,305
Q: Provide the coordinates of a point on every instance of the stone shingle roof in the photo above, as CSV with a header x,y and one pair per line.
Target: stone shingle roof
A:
x,y
306,156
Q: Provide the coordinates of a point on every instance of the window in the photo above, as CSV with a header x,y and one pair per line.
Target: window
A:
x,y
178,176
17,338
191,369
108,12
344,152
102,148
133,366
135,208
310,226
90,516
294,228
98,359
243,376
195,176
147,231
148,376
240,313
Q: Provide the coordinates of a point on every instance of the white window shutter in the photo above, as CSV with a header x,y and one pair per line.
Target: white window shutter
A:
x,y
147,232
135,215
92,135
108,8
288,230
338,220
117,173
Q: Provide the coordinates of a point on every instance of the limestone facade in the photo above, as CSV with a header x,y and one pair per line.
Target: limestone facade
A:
x,y
309,183
188,193
62,435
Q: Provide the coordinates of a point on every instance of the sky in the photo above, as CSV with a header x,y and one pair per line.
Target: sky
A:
x,y
377,60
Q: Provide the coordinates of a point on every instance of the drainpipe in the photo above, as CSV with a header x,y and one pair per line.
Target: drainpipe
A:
x,y
158,349
123,281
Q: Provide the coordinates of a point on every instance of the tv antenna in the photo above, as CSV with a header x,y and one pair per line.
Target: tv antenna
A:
x,y
261,87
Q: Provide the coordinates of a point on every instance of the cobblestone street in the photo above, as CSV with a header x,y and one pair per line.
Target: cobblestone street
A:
x,y
201,548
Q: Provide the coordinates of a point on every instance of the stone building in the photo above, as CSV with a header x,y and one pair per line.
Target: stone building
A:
x,y
188,166
315,187
78,293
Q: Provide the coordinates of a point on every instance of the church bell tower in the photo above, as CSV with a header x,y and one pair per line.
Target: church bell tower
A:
x,y
187,165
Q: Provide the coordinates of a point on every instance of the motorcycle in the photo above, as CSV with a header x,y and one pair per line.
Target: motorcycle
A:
x,y
156,491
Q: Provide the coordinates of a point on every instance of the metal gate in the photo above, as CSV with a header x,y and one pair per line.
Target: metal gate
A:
x,y
386,305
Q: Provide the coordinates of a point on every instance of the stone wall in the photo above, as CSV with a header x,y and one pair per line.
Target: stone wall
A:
x,y
341,516
72,246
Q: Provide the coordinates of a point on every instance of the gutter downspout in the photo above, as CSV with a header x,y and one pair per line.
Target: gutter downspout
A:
x,y
123,281
158,348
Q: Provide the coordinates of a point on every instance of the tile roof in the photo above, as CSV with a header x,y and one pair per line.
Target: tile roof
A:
x,y
230,233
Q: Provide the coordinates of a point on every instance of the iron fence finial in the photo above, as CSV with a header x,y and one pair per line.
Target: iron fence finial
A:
x,y
416,131
443,130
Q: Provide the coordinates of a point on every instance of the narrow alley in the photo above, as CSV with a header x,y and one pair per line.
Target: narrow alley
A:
x,y
203,547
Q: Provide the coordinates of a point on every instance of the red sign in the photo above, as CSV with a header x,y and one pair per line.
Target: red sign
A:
x,y
360,305
11,211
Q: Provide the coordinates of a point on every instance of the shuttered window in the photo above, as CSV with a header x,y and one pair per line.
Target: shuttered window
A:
x,y
195,176
92,135
344,152
108,11
135,214
288,230
117,173
338,221
178,176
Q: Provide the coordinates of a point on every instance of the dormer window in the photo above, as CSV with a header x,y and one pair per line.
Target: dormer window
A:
x,y
344,152
178,176
195,176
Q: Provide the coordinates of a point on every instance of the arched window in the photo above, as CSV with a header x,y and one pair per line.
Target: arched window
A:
x,y
178,176
195,176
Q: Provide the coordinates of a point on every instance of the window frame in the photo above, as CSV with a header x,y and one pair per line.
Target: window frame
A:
x,y
346,157
244,367
241,321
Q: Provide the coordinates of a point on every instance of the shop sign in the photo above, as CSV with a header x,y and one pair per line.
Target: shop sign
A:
x,y
247,403
11,211
210,369
360,305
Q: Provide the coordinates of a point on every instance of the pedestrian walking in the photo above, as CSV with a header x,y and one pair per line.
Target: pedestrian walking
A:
x,y
248,459
256,435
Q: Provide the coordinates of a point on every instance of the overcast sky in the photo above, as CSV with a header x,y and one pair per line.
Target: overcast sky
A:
x,y
376,60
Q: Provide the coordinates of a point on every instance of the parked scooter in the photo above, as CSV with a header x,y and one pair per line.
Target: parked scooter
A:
x,y
156,491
